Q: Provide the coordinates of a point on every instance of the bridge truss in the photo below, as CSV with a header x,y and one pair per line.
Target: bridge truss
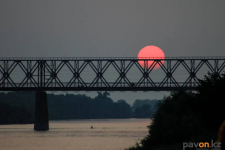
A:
x,y
105,74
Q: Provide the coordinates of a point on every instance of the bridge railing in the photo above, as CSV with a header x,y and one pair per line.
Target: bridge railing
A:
x,y
89,85
109,58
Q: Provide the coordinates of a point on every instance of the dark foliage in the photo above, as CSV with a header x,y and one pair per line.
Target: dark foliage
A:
x,y
145,108
14,115
17,108
70,106
185,116
211,100
82,107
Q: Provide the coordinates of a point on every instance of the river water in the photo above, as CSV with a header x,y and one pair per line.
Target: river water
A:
x,y
107,134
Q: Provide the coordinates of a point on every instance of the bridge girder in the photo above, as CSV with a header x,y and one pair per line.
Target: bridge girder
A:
x,y
71,74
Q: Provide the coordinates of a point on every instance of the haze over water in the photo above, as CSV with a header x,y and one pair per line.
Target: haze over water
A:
x,y
107,134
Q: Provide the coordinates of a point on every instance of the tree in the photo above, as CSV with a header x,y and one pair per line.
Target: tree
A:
x,y
185,116
211,100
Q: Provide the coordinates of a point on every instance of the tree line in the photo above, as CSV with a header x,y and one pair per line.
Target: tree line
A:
x,y
18,107
187,116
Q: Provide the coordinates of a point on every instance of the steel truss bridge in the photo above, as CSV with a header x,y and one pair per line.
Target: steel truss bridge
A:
x,y
105,74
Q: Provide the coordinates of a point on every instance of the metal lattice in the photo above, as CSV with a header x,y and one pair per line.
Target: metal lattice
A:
x,y
105,74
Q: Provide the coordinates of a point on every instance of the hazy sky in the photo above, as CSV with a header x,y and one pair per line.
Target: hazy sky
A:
x,y
111,28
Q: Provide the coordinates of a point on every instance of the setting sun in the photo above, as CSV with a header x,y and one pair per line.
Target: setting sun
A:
x,y
151,52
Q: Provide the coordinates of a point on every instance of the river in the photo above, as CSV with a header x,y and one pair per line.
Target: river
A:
x,y
107,134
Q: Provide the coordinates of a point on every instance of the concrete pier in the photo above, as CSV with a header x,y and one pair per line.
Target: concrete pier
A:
x,y
41,122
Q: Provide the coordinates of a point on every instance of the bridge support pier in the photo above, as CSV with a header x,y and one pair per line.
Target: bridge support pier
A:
x,y
41,112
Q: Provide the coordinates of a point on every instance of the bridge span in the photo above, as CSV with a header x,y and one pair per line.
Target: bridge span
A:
x,y
102,74
105,74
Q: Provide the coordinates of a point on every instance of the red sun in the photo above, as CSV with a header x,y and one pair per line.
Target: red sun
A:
x,y
151,52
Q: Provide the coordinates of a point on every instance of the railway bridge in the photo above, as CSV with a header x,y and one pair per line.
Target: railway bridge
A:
x,y
102,74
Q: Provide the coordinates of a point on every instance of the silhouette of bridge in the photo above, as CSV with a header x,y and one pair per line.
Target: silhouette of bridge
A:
x,y
101,74
105,74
